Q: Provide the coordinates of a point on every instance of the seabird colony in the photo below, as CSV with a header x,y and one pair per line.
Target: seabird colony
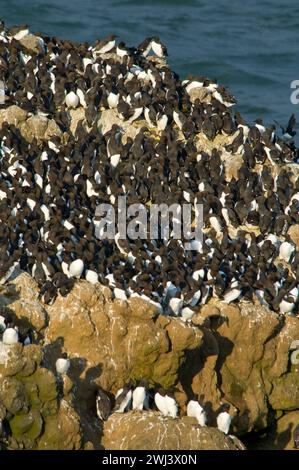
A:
x,y
140,397
49,190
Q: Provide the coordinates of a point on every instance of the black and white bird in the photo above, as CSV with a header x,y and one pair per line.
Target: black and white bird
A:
x,y
158,48
5,320
62,364
10,336
72,100
160,401
2,324
288,132
103,405
259,124
123,398
195,409
172,406
154,44
26,337
139,395
18,32
223,418
106,45
76,268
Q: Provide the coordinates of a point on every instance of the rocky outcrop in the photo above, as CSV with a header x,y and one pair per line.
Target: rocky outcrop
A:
x,y
13,115
108,341
33,43
282,436
123,339
36,416
148,431
240,354
39,128
279,437
33,127
250,362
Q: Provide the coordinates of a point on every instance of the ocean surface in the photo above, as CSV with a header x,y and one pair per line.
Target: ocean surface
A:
x,y
252,47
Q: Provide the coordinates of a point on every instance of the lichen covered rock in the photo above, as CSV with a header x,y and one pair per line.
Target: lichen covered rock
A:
x,y
250,366
30,403
235,353
146,431
129,340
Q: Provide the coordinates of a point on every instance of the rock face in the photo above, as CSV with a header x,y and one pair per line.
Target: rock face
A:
x,y
36,416
240,354
128,340
251,364
108,341
280,437
133,431
33,127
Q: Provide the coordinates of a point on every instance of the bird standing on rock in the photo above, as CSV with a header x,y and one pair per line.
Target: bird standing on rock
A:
x,y
123,398
160,401
76,268
139,395
166,403
196,410
103,405
172,406
62,364
5,320
288,133
10,336
224,419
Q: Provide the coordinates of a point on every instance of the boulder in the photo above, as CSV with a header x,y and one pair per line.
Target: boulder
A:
x,y
149,430
251,367
39,128
33,43
13,115
37,415
123,339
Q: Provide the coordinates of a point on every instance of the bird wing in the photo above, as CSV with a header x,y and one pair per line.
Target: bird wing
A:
x,y
105,400
291,124
119,399
282,128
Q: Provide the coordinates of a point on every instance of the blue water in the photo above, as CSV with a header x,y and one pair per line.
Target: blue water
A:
x,y
252,47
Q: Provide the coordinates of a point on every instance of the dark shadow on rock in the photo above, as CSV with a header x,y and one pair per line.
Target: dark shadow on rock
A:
x,y
5,435
191,366
8,294
51,352
84,399
213,344
83,392
215,321
284,437
210,414
277,329
241,421
269,439
195,361
23,324
226,347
